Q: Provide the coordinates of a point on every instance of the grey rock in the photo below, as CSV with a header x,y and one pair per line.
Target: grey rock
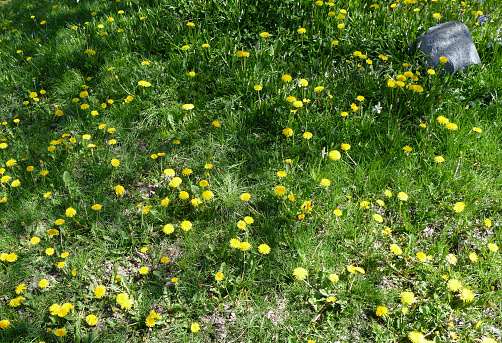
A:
x,y
451,40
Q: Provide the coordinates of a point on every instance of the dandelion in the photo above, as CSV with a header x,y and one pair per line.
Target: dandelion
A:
x,y
4,324
334,155
20,288
473,257
439,159
219,276
451,259
100,291
307,135
286,78
187,107
43,283
194,327
407,148
183,195
477,129
452,126
264,34
422,257
459,207
407,298
186,225
264,249
402,196
337,212
280,190
365,205
300,273
381,311
436,15
443,59
143,270
416,337
60,332
91,320
35,240
11,163
333,278
442,120
186,171
244,246
345,146
302,30
119,190
235,243
493,247
258,87
378,218
467,295
207,195
245,196
164,259
396,249
454,285
325,182
16,302
70,212
216,123
241,224
168,229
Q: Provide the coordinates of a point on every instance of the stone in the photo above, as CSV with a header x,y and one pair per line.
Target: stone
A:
x,y
451,40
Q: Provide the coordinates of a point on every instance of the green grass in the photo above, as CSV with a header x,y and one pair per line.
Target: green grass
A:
x,y
78,48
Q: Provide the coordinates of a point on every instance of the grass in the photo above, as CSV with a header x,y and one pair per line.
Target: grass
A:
x,y
367,209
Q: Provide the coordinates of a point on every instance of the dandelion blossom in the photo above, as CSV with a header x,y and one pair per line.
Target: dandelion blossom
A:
x,y
288,132
280,190
381,311
454,285
407,298
194,327
467,295
264,249
459,207
451,259
245,196
345,146
207,195
402,196
91,320
219,276
119,190
300,273
186,225
493,247
416,337
334,155
100,291
60,332
70,212
396,249
235,243
439,159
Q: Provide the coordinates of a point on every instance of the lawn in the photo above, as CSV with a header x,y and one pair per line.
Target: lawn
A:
x,y
247,171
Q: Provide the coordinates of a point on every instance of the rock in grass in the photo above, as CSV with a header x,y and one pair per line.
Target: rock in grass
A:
x,y
451,40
